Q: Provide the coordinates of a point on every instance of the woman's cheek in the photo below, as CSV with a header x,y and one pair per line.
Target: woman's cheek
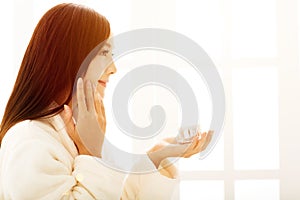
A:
x,y
96,69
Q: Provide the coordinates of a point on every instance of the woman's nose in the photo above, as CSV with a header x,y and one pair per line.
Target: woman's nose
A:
x,y
111,69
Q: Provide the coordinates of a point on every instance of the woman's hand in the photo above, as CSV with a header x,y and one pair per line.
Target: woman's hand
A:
x,y
87,134
170,148
100,110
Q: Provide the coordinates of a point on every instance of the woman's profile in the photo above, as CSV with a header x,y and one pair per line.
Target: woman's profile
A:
x,y
42,153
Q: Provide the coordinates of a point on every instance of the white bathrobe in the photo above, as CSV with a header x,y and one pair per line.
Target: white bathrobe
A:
x,y
38,160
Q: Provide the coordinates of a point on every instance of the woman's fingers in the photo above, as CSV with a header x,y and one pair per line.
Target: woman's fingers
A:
x,y
90,97
102,109
103,124
209,137
190,149
85,96
198,145
80,96
98,102
202,142
194,143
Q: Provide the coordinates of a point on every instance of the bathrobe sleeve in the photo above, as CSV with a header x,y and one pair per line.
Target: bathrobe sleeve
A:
x,y
162,184
34,165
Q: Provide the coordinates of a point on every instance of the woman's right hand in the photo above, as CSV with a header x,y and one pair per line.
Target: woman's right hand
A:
x,y
100,110
86,133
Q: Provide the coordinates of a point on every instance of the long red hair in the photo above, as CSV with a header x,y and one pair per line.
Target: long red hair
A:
x,y
61,41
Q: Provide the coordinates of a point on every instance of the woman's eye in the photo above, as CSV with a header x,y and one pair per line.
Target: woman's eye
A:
x,y
104,53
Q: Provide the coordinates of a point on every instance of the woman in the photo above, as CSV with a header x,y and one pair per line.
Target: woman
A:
x,y
43,154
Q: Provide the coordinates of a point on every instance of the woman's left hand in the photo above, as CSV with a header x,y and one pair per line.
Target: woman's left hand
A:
x,y
170,148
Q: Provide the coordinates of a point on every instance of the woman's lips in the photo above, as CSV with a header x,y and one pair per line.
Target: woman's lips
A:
x,y
103,83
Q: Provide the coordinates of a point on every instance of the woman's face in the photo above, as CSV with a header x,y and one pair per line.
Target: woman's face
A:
x,y
101,67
